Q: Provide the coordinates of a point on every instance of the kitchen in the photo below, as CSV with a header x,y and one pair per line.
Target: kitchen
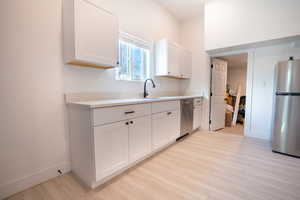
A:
x,y
39,89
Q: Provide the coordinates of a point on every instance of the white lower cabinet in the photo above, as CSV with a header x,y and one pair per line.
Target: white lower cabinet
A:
x,y
197,118
139,138
106,141
111,148
119,144
160,130
166,128
174,121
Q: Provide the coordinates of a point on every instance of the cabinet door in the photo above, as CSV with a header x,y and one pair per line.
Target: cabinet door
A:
x,y
174,125
165,128
160,130
173,60
96,35
111,148
139,138
197,118
186,64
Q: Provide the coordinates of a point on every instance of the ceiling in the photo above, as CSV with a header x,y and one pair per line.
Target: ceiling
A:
x,y
183,9
238,60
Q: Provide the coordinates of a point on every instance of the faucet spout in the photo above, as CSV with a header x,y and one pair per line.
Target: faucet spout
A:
x,y
145,87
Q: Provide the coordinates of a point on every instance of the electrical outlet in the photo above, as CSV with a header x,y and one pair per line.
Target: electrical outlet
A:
x,y
59,172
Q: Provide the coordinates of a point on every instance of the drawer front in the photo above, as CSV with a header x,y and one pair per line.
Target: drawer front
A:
x,y
198,102
118,113
165,106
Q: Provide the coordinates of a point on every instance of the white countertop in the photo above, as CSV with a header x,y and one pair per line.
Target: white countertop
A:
x,y
121,102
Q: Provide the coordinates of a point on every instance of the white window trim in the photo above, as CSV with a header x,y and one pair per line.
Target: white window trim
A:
x,y
126,37
138,41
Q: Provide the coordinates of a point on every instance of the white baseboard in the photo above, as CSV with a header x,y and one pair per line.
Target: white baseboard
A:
x,y
26,182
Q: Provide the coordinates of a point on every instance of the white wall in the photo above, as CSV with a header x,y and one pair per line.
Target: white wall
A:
x,y
237,22
143,18
264,61
192,38
33,80
260,84
32,128
237,76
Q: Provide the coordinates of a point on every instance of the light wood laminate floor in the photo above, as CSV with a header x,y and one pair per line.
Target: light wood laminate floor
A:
x,y
235,130
203,166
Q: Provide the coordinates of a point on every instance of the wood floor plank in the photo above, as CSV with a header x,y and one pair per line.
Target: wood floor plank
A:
x,y
204,166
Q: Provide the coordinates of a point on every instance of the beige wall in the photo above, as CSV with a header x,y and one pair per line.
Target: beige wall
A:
x,y
143,18
192,38
33,80
231,23
237,76
264,62
32,128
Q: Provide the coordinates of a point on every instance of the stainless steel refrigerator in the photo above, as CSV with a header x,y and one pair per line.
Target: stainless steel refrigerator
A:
x,y
286,119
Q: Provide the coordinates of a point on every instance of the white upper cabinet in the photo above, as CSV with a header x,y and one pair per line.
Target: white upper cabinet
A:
x,y
172,60
186,64
90,35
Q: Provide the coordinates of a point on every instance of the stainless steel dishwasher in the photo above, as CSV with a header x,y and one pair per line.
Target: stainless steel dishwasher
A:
x,y
186,125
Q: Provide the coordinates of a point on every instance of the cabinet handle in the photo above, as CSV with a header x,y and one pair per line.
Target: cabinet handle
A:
x,y
127,123
169,113
129,112
131,122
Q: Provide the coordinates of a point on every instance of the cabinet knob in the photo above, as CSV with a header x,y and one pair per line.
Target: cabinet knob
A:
x,y
169,113
127,123
131,122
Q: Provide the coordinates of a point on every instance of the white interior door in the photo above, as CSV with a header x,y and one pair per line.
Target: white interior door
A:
x,y
218,90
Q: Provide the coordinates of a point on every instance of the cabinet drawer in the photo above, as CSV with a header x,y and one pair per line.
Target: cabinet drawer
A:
x,y
165,106
118,113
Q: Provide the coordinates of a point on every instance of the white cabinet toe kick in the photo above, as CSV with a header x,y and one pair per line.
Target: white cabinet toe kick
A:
x,y
107,141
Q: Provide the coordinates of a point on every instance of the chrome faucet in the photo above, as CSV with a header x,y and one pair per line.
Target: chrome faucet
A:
x,y
145,87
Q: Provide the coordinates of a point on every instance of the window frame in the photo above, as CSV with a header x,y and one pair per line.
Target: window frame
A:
x,y
138,42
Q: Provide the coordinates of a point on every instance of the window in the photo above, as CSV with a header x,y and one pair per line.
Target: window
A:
x,y
134,59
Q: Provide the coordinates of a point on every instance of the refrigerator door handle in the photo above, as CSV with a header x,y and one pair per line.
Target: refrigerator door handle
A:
x,y
287,93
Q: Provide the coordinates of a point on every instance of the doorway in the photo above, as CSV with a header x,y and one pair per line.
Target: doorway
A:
x,y
228,94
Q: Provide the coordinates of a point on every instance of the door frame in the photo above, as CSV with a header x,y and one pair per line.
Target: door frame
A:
x,y
249,85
